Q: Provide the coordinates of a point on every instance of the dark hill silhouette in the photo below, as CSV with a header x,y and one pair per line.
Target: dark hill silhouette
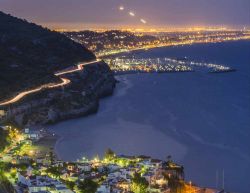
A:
x,y
29,54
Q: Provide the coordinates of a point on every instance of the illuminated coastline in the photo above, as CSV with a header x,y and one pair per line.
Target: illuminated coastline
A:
x,y
193,40
107,43
160,65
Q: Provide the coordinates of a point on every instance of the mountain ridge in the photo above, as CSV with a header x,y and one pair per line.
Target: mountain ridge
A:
x,y
30,54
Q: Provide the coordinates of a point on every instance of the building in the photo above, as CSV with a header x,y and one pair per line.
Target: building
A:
x,y
23,160
2,113
104,188
38,184
61,188
32,135
173,170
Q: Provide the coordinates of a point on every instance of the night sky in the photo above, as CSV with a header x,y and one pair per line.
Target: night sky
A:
x,y
105,13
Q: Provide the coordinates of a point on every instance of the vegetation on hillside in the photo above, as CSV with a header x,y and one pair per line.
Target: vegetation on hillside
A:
x,y
139,184
30,54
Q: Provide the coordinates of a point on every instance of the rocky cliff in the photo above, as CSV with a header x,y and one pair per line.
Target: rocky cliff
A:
x,y
29,57
79,98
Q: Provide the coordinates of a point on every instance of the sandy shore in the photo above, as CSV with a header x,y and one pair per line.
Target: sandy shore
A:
x,y
46,144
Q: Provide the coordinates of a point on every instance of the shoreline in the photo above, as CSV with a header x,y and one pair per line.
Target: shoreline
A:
x,y
46,144
60,138
140,130
175,119
167,46
119,92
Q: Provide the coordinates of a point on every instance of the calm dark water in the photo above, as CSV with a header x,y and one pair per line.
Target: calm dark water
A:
x,y
201,119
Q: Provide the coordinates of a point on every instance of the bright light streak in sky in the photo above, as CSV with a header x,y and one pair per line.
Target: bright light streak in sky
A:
x,y
143,21
131,13
74,13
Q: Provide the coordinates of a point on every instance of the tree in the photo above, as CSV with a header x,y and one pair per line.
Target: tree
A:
x,y
51,156
5,184
54,171
139,184
109,154
87,186
176,185
70,184
3,139
169,158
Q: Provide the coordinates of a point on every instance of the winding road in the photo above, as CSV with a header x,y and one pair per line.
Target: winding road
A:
x,y
50,85
79,67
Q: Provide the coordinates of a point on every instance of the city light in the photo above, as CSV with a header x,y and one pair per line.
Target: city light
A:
x,y
148,65
140,41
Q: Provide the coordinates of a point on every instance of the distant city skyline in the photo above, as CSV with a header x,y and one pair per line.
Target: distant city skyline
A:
x,y
84,14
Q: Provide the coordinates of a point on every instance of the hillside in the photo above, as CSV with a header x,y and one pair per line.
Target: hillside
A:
x,y
97,41
29,54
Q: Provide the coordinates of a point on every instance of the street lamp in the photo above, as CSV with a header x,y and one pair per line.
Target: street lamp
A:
x,y
190,185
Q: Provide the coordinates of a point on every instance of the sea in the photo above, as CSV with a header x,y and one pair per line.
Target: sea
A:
x,y
201,119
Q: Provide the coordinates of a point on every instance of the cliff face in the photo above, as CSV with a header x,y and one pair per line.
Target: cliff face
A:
x,y
79,98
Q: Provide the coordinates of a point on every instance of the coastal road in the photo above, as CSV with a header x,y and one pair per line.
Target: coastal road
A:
x,y
50,85
25,93
79,67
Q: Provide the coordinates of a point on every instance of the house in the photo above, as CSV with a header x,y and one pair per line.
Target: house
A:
x,y
58,163
23,160
173,170
73,177
113,167
123,185
26,130
114,175
32,135
37,184
5,128
23,179
2,113
148,176
37,189
65,176
160,181
85,167
157,163
29,171
61,188
35,135
39,160
104,188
